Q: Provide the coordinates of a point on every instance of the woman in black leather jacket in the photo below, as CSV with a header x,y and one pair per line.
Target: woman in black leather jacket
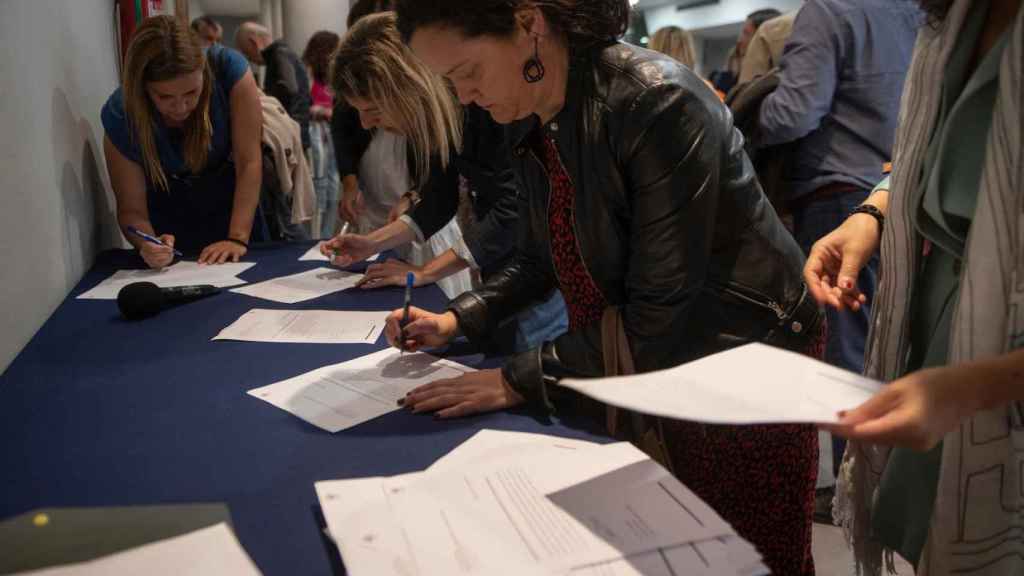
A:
x,y
638,199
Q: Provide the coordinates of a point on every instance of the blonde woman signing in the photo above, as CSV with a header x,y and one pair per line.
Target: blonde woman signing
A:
x,y
392,90
935,470
183,145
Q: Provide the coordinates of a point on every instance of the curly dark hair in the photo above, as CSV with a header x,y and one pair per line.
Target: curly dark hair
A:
x,y
582,21
936,10
318,53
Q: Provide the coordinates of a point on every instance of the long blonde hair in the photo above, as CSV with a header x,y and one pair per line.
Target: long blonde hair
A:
x,y
677,43
165,48
374,64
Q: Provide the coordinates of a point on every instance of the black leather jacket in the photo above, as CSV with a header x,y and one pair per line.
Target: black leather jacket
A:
x,y
670,220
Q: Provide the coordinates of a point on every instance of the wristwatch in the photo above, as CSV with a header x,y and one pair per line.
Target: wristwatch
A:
x,y
873,212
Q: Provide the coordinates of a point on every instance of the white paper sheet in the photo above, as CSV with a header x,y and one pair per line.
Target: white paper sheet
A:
x,y
489,444
303,286
752,384
340,396
306,327
537,512
212,550
179,274
728,556
314,255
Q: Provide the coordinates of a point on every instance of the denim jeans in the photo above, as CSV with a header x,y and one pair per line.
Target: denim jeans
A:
x,y
847,330
541,323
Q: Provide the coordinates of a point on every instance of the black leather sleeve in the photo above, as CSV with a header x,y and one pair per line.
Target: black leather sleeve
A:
x,y
671,145
350,140
525,280
439,199
493,238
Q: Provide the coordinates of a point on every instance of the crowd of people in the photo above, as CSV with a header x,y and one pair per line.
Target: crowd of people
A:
x,y
594,209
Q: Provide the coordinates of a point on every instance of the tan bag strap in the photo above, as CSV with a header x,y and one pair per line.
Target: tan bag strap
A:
x,y
618,359
647,434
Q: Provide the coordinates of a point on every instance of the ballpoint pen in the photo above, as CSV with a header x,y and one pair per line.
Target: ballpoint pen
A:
x,y
344,230
410,279
150,239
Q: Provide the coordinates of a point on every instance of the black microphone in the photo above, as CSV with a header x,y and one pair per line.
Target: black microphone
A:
x,y
144,299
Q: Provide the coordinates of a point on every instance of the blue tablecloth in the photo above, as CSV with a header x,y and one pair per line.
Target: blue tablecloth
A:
x,y
99,411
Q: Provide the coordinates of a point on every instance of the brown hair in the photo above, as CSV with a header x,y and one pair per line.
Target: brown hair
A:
x,y
582,21
374,64
164,48
318,52
676,43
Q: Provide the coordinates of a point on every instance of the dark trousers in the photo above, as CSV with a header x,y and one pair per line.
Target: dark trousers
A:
x,y
815,217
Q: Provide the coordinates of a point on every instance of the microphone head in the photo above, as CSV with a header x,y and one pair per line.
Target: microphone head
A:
x,y
140,300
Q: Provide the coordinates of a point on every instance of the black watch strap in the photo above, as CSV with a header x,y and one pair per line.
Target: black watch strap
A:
x,y
871,211
239,242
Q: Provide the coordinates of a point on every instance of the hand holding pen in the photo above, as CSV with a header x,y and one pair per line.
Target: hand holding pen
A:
x,y
346,249
157,252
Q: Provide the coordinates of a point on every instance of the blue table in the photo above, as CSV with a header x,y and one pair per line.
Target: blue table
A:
x,y
99,411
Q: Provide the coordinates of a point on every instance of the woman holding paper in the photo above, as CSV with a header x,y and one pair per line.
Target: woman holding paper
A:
x,y
183,145
947,317
643,210
452,153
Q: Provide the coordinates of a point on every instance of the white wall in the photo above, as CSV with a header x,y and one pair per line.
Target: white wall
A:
x,y
302,18
58,69
725,12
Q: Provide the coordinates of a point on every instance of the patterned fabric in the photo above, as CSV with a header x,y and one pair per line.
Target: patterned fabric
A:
x,y
760,479
583,299
976,527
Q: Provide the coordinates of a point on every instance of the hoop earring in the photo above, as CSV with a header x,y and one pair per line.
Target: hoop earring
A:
x,y
533,70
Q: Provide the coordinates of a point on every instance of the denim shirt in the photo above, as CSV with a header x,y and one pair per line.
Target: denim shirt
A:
x,y
842,75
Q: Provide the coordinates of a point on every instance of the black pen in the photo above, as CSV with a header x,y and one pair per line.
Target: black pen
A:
x,y
410,279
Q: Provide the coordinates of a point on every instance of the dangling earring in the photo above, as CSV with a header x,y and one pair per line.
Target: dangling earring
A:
x,y
533,70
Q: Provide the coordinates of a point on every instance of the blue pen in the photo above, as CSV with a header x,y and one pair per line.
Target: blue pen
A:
x,y
410,279
150,239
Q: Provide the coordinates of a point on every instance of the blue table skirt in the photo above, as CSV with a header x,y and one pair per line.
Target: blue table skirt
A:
x,y
99,411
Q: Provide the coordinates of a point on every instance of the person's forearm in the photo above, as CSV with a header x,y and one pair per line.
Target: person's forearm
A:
x,y
443,266
999,381
350,184
396,234
880,199
248,179
135,220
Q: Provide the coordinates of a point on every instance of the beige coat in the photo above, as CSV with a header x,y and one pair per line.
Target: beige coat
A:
x,y
283,136
765,50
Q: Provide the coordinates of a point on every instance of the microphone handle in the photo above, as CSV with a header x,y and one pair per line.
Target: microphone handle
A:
x,y
188,293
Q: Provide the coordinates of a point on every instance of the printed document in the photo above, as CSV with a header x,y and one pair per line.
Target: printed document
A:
x,y
340,396
306,327
303,286
314,255
179,274
585,511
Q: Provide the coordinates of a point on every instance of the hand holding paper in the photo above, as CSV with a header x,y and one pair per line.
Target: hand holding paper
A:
x,y
752,384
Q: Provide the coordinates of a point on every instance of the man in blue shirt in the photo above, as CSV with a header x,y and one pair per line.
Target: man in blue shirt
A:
x,y
842,75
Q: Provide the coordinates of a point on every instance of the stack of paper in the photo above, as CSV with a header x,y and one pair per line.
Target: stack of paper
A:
x,y
303,286
752,384
213,550
340,396
315,255
306,327
516,504
180,274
